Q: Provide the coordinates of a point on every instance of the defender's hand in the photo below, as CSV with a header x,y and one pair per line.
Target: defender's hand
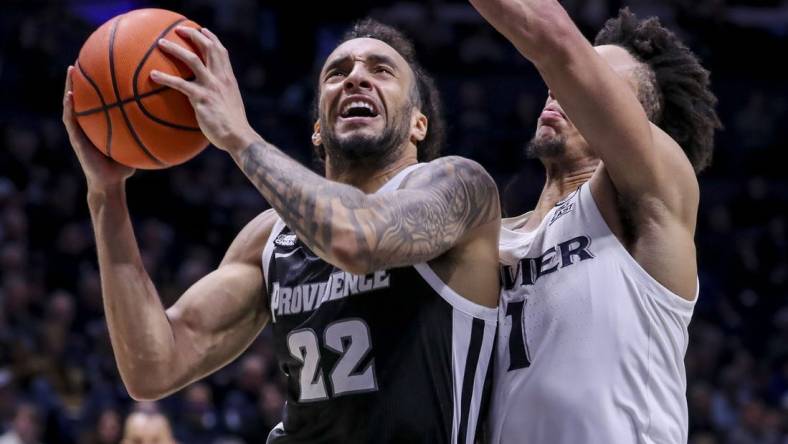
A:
x,y
100,171
213,93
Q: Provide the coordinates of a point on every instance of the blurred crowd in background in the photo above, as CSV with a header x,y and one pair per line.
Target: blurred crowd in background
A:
x,y
58,379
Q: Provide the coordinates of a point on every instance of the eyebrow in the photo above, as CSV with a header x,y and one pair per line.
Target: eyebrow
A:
x,y
374,59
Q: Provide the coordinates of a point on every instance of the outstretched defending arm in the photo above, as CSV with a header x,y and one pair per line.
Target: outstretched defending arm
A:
x,y
439,206
646,180
642,161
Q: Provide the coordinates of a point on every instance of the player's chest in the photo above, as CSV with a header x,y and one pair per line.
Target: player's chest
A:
x,y
546,293
548,261
300,283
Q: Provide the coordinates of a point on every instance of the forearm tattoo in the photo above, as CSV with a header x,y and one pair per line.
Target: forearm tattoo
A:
x,y
435,206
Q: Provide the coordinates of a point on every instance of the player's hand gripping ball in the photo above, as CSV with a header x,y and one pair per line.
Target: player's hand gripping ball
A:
x,y
127,116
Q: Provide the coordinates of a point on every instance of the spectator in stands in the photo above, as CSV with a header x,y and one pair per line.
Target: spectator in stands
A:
x,y
25,427
143,427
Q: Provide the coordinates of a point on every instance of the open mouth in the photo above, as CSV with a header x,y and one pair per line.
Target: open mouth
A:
x,y
358,108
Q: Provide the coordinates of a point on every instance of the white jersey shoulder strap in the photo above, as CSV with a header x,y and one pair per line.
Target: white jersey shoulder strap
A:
x,y
394,183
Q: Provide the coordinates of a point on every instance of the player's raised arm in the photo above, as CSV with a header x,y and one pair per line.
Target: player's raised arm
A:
x,y
641,160
445,201
435,209
159,351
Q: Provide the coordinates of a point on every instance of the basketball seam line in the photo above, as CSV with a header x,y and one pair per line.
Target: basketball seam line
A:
x,y
106,110
137,97
122,102
105,107
134,134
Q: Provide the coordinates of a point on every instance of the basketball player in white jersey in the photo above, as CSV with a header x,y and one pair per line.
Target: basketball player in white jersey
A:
x,y
600,279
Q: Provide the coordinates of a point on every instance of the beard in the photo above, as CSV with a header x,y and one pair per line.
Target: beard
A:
x,y
546,147
367,150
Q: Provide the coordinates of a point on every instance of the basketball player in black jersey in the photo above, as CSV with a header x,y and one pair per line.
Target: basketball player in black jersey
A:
x,y
380,281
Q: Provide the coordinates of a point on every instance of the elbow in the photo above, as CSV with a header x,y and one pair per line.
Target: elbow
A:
x,y
144,392
351,253
351,259
358,269
148,386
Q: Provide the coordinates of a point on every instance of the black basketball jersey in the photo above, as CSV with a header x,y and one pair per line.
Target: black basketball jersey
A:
x,y
395,356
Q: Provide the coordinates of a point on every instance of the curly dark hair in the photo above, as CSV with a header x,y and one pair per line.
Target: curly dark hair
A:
x,y
425,94
673,87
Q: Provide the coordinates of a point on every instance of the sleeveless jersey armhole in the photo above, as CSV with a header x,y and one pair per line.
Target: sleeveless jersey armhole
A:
x,y
671,300
268,249
448,294
457,301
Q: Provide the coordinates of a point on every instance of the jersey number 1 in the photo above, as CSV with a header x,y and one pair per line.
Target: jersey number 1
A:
x,y
518,354
348,338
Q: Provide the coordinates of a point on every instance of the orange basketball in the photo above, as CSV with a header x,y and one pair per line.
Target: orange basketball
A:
x,y
130,118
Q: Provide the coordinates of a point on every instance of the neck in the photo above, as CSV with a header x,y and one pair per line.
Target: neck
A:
x,y
366,176
563,177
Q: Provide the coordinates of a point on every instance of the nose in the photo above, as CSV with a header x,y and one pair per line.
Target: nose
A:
x,y
550,95
358,78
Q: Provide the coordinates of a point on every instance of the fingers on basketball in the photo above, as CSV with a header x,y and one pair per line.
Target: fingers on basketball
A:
x,y
125,114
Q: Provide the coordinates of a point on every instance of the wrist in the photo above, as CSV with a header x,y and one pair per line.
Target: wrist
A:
x,y
98,194
241,140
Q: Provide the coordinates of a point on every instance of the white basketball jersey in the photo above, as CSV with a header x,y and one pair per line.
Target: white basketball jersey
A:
x,y
590,347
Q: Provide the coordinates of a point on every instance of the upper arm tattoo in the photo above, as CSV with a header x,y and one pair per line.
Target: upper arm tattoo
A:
x,y
433,209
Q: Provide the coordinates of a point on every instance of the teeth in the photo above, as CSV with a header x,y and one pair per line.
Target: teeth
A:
x,y
357,104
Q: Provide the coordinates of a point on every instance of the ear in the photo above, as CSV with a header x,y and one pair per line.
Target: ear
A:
x,y
317,140
418,126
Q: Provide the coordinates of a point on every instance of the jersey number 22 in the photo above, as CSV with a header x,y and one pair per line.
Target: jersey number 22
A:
x,y
350,339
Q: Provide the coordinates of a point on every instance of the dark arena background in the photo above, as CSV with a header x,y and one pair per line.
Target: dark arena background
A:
x,y
58,377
